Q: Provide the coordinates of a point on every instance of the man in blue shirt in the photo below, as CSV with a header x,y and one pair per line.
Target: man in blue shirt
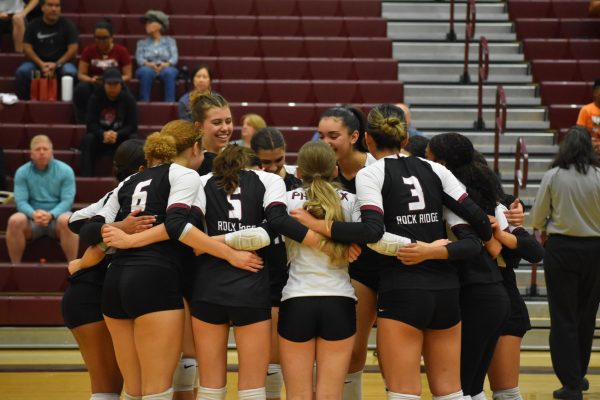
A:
x,y
44,192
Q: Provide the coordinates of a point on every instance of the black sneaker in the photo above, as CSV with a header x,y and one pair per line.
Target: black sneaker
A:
x,y
585,384
567,394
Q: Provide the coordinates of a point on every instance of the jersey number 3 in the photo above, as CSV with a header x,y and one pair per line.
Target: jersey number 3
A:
x,y
139,196
415,191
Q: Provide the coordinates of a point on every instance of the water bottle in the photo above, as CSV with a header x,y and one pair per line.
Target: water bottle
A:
x,y
66,88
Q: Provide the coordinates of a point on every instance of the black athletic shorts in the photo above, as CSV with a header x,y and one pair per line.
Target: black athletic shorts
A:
x,y
132,291
423,309
217,314
366,269
518,318
81,302
329,317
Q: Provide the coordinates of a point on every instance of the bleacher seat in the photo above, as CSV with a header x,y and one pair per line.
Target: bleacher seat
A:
x,y
555,70
566,93
563,116
319,7
276,7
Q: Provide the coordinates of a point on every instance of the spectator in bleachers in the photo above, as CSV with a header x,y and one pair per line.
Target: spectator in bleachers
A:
x,y
44,193
13,19
250,124
595,8
112,118
412,131
95,59
156,56
589,116
50,43
201,77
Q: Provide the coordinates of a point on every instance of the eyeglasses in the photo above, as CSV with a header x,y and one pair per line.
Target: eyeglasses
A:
x,y
101,37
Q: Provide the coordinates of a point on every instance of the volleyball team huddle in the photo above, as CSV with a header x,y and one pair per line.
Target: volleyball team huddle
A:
x,y
300,264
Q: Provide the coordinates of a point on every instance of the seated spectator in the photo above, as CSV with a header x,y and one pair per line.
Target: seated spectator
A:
x,y
250,124
112,118
13,19
50,43
589,116
201,79
411,130
595,8
156,56
44,193
95,59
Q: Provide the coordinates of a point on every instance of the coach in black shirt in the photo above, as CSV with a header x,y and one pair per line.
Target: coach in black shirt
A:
x,y
50,43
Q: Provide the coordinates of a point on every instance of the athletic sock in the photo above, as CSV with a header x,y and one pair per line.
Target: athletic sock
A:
x,y
507,394
127,396
185,374
274,381
205,393
166,395
353,386
401,396
105,396
480,396
467,398
252,394
452,396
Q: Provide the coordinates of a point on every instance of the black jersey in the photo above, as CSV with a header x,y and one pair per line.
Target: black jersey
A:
x,y
166,191
217,281
207,164
410,193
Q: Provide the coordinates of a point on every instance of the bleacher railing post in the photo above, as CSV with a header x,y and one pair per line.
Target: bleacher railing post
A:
x,y
500,125
451,35
483,72
469,33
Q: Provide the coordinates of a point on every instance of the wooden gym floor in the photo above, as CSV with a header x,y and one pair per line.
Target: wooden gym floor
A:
x,y
60,375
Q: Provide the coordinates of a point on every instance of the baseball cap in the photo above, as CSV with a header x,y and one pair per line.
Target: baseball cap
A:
x,y
112,75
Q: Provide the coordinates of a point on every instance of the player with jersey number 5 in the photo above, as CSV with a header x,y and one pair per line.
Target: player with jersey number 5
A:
x,y
142,299
418,307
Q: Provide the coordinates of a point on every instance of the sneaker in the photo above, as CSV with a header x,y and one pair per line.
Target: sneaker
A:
x,y
567,394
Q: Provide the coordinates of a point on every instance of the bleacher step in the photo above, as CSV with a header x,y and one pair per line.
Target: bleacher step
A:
x,y
432,72
445,51
436,31
441,12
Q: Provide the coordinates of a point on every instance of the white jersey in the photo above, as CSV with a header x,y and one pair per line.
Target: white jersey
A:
x,y
310,271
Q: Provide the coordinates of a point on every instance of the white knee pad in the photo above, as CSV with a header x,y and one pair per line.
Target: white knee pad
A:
x,y
127,396
185,374
105,396
467,398
452,396
274,381
353,386
480,396
166,395
252,394
508,394
205,393
401,396
248,239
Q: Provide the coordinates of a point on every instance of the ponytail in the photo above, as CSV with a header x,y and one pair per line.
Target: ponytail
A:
x,y
227,167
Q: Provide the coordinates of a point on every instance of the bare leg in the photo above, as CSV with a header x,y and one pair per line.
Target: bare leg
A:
x,y
503,372
121,331
365,318
297,360
400,347
333,358
188,351
253,342
274,358
69,241
211,350
18,33
96,347
18,231
158,338
441,352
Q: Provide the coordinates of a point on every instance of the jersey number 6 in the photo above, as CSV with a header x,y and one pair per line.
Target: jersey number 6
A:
x,y
139,196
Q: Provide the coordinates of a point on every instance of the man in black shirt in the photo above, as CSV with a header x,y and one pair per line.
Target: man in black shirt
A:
x,y
111,118
50,43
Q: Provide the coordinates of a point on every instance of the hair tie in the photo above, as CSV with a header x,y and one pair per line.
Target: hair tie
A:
x,y
316,175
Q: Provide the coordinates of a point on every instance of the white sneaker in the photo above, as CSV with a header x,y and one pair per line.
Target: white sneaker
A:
x,y
248,239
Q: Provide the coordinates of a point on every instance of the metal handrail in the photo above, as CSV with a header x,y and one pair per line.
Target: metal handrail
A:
x,y
451,35
469,34
540,236
483,73
500,124
521,175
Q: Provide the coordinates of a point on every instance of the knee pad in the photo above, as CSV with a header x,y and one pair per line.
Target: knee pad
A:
x,y
205,393
401,396
252,394
166,395
127,396
274,381
184,378
105,396
452,396
353,386
508,394
480,396
248,239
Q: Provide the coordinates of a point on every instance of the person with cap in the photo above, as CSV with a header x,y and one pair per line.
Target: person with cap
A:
x,y
156,56
95,59
50,44
589,116
111,118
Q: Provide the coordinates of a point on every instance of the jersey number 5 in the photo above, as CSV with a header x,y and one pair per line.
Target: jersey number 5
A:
x,y
139,196
416,191
235,201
